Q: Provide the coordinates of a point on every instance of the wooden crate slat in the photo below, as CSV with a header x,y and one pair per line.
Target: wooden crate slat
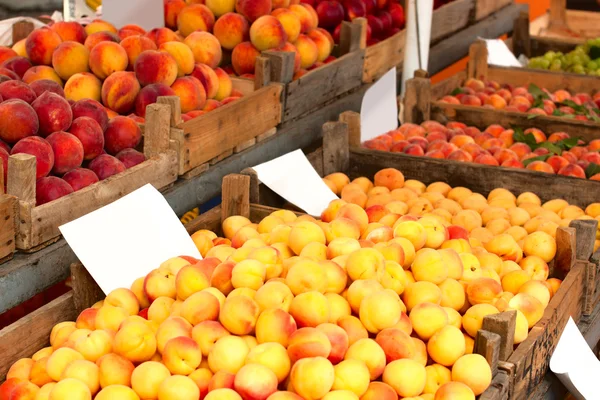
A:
x,y
382,56
323,84
484,8
222,129
45,219
450,18
8,213
32,332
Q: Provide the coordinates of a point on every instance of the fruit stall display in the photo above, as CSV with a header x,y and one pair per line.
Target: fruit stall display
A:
x,y
574,26
281,315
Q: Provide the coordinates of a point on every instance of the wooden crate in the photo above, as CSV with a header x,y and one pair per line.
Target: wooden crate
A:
x,y
389,53
213,136
484,8
423,101
8,221
319,86
38,225
567,25
524,368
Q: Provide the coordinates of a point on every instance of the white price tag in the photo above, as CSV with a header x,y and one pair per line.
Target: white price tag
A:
x,y
499,54
292,177
379,109
574,363
128,238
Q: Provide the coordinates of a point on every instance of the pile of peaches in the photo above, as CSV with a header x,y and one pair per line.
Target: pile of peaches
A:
x,y
242,29
557,153
379,299
531,100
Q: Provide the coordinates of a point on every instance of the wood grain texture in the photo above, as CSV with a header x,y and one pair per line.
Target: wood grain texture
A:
x,y
521,40
550,80
323,84
487,344
174,103
335,147
483,8
246,86
235,196
478,60
21,177
532,357
417,100
159,171
352,120
8,213
565,250
450,18
222,129
157,129
380,57
498,389
585,235
32,332
86,291
482,178
503,325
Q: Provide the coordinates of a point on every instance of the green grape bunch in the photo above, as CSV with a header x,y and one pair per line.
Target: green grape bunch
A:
x,y
584,59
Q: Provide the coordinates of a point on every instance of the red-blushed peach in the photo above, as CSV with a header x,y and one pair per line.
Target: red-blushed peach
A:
x,y
79,178
243,58
182,55
149,95
92,40
255,381
130,157
172,8
231,29
40,45
206,48
162,35
98,25
191,93
90,134
6,53
92,109
193,18
17,121
221,380
253,10
69,31
40,149
209,79
68,151
305,16
119,91
46,85
54,113
121,133
105,166
324,47
7,75
136,45
107,58
308,50
83,86
130,30
225,84
396,344
19,65
51,188
155,67
368,351
239,314
17,90
69,59
290,21
275,325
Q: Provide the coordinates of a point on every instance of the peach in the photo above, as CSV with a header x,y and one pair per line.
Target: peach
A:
x,y
50,188
223,394
182,55
483,291
429,265
90,134
453,294
252,10
230,30
396,344
46,85
368,351
98,25
529,305
351,375
117,392
98,37
40,45
473,317
68,151
84,371
16,90
121,133
147,378
119,91
274,325
537,289
182,355
195,18
239,314
153,66
267,33
83,86
454,390
105,166
149,95
290,21
191,92
206,48
427,318
136,45
6,53
406,377
162,35
446,345
413,231
308,50
540,244
255,381
420,292
199,307
69,59
206,333
41,72
437,375
40,149
312,378
272,356
474,371
70,388
59,360
228,354
375,321
106,58
310,309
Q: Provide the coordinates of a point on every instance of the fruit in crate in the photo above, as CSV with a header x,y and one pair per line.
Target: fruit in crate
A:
x,y
583,59
291,307
551,152
531,100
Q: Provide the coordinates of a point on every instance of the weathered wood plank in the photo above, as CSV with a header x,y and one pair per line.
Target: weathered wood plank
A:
x,y
8,213
380,57
450,18
483,8
235,196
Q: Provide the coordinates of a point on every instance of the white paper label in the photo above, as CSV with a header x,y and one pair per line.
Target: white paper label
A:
x,y
293,177
148,14
499,54
379,109
574,363
128,238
